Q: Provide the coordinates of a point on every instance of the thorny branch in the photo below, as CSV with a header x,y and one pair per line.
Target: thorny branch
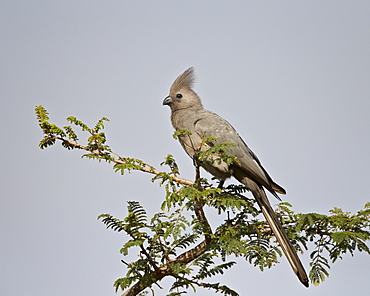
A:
x,y
120,160
165,270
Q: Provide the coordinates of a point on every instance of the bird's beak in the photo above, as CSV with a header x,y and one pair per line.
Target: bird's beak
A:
x,y
167,101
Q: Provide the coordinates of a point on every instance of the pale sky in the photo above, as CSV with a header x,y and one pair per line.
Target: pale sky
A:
x,y
293,77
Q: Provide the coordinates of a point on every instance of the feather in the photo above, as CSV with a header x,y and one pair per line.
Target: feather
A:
x,y
185,80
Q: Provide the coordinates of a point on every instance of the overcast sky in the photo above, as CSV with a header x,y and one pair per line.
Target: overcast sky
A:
x,y
293,77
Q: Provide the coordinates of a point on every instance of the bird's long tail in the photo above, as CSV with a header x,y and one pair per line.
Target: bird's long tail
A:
x,y
277,228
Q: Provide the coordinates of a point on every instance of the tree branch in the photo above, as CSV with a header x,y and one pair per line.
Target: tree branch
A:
x,y
165,270
120,160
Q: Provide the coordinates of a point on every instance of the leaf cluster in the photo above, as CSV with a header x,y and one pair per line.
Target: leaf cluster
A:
x,y
333,236
209,150
96,142
216,153
160,239
171,231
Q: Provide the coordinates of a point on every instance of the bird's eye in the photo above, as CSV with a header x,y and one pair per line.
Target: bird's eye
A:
x,y
179,96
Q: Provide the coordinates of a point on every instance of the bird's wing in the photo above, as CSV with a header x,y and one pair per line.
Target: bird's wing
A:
x,y
212,125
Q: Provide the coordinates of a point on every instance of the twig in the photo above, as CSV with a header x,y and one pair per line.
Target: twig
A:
x,y
120,160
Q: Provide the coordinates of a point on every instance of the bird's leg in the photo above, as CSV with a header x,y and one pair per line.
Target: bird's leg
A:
x,y
221,184
196,163
229,221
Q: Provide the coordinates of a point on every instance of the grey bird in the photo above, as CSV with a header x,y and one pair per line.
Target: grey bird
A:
x,y
187,113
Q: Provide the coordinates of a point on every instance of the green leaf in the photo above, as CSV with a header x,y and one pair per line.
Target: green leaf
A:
x,y
129,164
130,244
79,123
180,133
100,124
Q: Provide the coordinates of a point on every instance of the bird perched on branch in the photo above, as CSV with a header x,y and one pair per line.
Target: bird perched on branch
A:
x,y
187,113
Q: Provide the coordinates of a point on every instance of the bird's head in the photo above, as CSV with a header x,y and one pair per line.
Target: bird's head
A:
x,y
181,94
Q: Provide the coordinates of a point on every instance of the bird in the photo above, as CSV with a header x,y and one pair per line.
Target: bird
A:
x,y
188,113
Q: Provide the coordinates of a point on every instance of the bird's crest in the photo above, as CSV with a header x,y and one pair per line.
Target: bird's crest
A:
x,y
185,80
